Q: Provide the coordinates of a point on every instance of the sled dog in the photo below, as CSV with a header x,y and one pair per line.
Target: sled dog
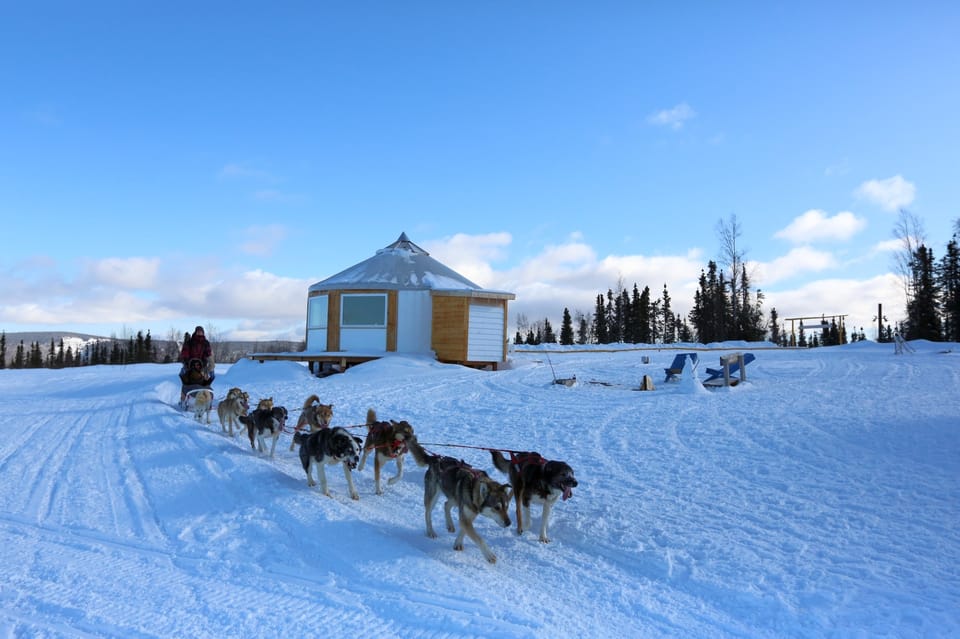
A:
x,y
263,424
229,410
468,489
202,404
535,479
326,447
389,441
315,415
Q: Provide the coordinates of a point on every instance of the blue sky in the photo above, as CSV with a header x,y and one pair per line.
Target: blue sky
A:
x,y
178,163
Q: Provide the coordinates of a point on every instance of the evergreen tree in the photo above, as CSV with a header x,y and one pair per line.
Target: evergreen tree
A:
x,y
774,327
923,319
583,329
644,335
669,330
566,328
949,279
600,322
20,358
3,350
548,337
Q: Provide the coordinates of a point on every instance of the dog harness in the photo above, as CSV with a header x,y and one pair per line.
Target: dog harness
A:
x,y
517,460
395,447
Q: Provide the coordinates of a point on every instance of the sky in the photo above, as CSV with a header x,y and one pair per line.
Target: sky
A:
x,y
182,163
731,512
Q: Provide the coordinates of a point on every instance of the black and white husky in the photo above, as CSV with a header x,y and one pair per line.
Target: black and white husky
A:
x,y
263,424
327,447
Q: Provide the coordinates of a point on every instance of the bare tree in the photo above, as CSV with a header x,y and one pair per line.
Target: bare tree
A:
x,y
731,255
217,345
909,232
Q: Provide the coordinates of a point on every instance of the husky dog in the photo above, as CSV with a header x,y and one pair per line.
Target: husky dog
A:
x,y
389,440
535,479
329,446
468,489
314,414
235,404
265,404
262,424
202,404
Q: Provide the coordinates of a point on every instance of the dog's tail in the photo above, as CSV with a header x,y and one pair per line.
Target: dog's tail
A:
x,y
313,399
371,417
500,462
420,456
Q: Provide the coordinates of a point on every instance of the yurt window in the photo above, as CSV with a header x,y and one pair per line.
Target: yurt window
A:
x,y
363,310
317,312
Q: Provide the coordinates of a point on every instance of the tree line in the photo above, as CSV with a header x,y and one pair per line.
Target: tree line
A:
x,y
725,306
134,350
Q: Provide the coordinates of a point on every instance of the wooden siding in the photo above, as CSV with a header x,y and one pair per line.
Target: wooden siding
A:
x,y
451,320
333,321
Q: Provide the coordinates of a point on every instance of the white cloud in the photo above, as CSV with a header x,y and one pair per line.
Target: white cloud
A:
x,y
818,225
799,261
857,299
888,246
470,255
890,194
133,273
674,118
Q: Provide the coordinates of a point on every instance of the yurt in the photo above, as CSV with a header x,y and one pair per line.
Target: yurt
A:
x,y
401,300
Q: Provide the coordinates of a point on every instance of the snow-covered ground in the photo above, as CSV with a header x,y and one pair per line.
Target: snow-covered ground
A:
x,y
821,498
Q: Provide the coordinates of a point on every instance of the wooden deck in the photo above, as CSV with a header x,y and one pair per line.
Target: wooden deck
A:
x,y
333,362
318,363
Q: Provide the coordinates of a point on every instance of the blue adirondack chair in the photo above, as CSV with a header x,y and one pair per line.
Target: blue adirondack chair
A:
x,y
717,373
676,367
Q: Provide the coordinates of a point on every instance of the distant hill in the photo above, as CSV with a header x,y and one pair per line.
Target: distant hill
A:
x,y
225,351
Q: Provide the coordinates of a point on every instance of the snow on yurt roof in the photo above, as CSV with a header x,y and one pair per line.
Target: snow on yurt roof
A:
x,y
401,265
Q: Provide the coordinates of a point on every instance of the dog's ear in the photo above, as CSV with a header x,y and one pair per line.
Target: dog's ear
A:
x,y
359,441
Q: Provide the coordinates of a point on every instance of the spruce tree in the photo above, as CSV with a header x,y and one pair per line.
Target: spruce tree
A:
x,y
566,328
548,337
600,322
669,331
949,278
923,319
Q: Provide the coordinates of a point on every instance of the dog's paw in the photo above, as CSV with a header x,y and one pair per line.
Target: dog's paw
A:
x,y
544,539
392,481
431,534
451,529
355,496
458,546
492,558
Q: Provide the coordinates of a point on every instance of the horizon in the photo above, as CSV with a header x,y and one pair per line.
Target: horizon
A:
x,y
163,173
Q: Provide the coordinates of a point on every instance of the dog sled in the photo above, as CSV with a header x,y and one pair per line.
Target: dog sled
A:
x,y
193,379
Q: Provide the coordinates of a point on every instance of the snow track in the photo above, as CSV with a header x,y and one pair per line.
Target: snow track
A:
x,y
772,509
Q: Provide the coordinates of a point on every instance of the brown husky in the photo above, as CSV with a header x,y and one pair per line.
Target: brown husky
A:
x,y
315,415
468,489
229,410
536,479
390,441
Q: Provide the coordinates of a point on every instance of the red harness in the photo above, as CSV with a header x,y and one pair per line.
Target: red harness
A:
x,y
394,447
517,460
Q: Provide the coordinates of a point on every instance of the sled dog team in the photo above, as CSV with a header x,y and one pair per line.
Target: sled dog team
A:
x,y
531,477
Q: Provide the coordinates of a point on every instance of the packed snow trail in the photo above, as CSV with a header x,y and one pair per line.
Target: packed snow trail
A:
x,y
817,499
